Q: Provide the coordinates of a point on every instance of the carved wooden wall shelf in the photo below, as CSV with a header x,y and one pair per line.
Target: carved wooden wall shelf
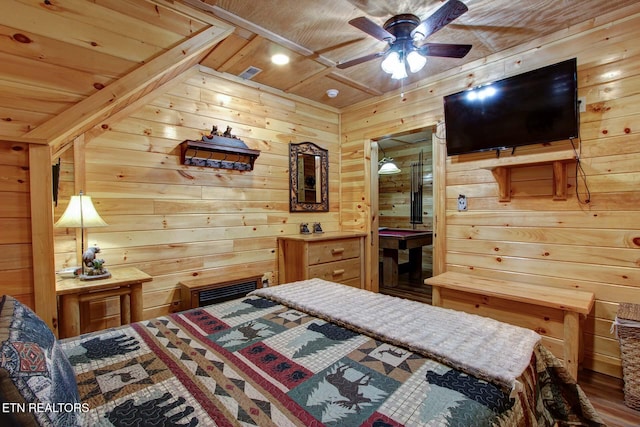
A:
x,y
216,151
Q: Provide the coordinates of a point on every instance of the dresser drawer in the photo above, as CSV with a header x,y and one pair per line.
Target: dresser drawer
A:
x,y
332,256
337,271
333,250
356,283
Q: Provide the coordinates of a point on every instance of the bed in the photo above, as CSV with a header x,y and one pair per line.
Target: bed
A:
x,y
308,353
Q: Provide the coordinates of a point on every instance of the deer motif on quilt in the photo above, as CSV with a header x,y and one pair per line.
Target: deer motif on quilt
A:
x,y
349,389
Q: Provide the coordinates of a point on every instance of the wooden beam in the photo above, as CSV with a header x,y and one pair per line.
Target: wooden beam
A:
x,y
246,50
264,88
79,184
44,275
248,25
82,116
354,84
320,74
23,140
261,31
188,11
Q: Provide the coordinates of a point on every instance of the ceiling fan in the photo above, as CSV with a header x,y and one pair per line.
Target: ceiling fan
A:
x,y
404,33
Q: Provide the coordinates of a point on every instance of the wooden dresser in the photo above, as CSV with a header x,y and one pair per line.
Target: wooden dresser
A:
x,y
333,256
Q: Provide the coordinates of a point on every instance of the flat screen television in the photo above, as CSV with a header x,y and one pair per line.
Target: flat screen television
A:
x,y
535,107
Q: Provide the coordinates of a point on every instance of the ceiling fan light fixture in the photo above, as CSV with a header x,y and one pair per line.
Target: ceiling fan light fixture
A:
x,y
400,72
417,36
391,62
403,33
394,64
416,61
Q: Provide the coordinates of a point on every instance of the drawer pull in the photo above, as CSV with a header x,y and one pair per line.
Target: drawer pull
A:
x,y
338,272
336,251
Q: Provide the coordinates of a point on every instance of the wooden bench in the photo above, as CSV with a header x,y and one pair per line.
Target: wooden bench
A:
x,y
571,302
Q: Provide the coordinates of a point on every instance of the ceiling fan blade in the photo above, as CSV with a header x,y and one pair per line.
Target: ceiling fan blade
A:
x,y
364,24
356,61
445,50
447,13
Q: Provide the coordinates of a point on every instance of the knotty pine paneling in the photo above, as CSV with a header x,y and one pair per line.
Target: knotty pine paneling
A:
x,y
55,55
177,222
16,260
593,246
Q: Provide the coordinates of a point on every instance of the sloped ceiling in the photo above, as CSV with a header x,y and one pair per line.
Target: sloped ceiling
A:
x,y
68,64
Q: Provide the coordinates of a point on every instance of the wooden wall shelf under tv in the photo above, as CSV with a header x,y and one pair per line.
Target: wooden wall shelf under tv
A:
x,y
501,170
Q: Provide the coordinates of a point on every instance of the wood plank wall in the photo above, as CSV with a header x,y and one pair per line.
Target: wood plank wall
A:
x,y
84,46
16,261
592,246
177,222
394,194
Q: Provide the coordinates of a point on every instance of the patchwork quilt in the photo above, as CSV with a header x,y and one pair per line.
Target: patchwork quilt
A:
x,y
258,361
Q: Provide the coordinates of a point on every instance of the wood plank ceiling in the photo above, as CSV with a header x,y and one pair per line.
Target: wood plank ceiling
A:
x,y
316,35
57,53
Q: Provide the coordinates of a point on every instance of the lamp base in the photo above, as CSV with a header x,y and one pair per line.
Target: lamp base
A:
x,y
92,274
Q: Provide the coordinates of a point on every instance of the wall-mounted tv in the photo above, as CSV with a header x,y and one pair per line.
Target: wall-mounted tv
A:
x,y
530,108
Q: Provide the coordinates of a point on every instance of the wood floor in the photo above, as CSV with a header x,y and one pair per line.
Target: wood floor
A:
x,y
605,392
606,395
415,290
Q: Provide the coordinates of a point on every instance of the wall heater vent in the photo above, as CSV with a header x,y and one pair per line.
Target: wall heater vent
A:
x,y
225,293
250,73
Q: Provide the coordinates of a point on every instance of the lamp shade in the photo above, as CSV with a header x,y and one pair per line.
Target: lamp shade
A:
x,y
400,72
80,214
415,61
396,62
391,62
388,168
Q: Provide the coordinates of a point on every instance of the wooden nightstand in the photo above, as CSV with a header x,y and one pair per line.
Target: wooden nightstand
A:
x,y
125,282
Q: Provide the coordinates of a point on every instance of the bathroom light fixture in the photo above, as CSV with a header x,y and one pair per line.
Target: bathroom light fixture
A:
x,y
387,167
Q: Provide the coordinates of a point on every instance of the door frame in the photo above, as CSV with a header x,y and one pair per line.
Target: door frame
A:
x,y
439,158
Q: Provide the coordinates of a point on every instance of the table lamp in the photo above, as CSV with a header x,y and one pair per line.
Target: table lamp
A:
x,y
82,214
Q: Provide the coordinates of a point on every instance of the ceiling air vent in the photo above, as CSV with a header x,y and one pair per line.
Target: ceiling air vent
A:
x,y
250,73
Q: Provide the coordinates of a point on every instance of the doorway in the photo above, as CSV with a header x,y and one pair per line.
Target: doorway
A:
x,y
405,212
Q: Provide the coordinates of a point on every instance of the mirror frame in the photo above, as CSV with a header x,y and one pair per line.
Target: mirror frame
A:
x,y
311,149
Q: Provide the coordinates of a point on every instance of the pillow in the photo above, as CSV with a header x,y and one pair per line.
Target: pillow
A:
x,y
37,384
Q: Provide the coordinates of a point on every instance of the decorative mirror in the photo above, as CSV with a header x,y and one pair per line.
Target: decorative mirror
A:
x,y
308,178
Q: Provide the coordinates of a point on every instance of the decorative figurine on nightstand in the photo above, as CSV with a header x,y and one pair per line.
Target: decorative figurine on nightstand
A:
x,y
317,228
93,267
304,228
